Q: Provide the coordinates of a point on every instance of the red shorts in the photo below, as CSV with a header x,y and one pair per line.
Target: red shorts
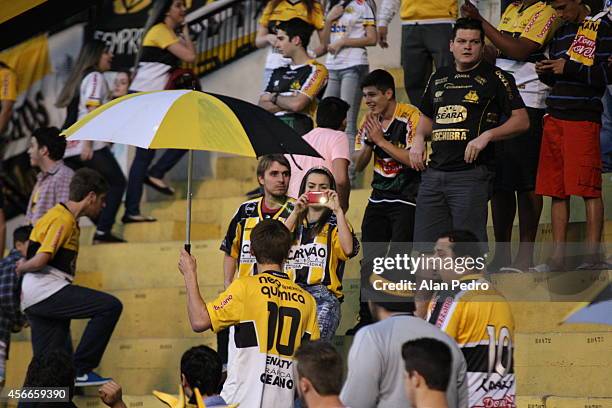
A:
x,y
570,159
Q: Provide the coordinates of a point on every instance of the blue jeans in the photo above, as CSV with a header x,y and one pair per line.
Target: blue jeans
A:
x,y
346,85
140,170
328,310
605,136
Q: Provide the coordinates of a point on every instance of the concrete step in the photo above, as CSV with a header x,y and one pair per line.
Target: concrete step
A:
x,y
237,168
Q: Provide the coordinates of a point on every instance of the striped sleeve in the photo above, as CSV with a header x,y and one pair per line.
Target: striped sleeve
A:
x,y
315,81
368,18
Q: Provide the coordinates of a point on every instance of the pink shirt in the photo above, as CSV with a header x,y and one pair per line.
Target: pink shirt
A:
x,y
331,144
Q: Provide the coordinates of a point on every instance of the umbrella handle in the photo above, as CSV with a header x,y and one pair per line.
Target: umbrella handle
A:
x,y
188,248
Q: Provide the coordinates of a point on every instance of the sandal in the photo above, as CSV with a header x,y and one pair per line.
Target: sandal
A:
x,y
128,219
165,190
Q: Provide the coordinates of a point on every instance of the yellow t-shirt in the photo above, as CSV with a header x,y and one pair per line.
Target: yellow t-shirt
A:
x,y
57,233
272,316
286,10
159,36
537,22
8,84
423,10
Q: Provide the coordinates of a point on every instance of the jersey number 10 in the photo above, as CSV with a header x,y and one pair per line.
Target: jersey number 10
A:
x,y
276,325
496,351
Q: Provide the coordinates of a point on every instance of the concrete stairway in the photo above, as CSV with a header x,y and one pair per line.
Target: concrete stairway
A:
x,y
557,366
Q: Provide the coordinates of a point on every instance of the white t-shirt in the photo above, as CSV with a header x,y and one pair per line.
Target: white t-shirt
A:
x,y
352,24
38,286
94,92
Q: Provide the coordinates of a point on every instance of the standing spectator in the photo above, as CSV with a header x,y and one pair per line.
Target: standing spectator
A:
x,y
49,298
317,226
329,139
426,31
293,89
11,318
200,378
274,315
386,133
273,174
319,375
520,38
462,111
52,186
276,12
86,90
8,95
52,369
605,136
375,371
428,364
161,51
570,158
350,26
479,320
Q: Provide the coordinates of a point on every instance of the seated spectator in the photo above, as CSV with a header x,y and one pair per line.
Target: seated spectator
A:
x,y
280,316
201,371
293,89
318,225
329,139
319,374
375,371
49,298
52,369
52,183
11,318
428,364
479,320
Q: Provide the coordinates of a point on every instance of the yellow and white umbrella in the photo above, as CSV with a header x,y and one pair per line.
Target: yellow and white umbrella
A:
x,y
191,120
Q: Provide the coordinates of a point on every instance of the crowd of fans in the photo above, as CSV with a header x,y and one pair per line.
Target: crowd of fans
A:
x,y
508,121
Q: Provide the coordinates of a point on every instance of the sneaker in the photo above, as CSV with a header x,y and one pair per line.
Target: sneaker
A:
x,y
106,238
128,219
90,379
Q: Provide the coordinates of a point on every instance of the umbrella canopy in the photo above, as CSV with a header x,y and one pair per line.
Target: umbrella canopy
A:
x,y
598,311
193,120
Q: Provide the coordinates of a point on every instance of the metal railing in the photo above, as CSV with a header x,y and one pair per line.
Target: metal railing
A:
x,y
225,31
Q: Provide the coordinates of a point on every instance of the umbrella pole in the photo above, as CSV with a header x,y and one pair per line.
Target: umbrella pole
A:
x,y
189,196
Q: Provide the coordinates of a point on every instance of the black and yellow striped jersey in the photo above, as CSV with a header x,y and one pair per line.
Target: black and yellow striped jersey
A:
x,y
481,323
319,259
272,316
237,241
